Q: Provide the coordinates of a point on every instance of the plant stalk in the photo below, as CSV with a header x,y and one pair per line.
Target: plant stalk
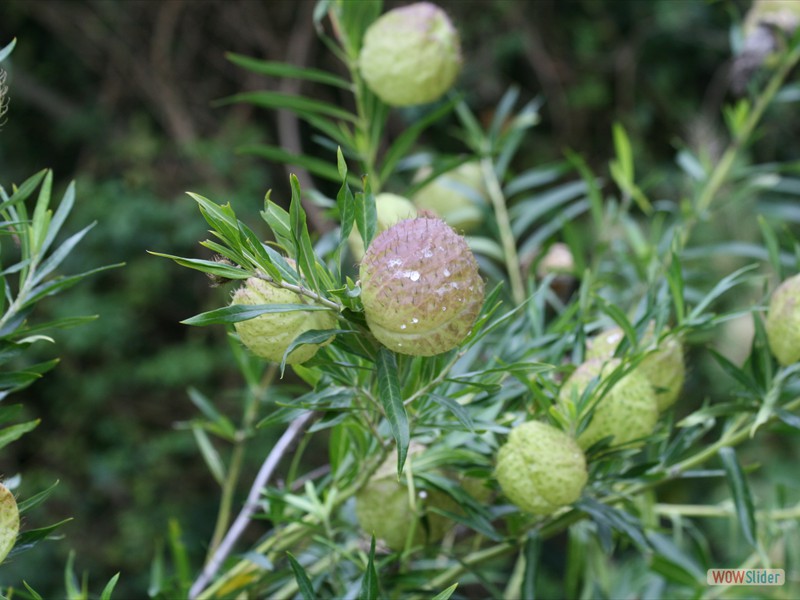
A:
x,y
507,240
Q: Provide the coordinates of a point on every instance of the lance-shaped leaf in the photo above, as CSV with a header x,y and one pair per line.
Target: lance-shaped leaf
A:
x,y
306,260
741,494
242,312
392,402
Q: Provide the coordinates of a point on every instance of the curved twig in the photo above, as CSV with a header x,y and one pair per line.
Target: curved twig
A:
x,y
292,432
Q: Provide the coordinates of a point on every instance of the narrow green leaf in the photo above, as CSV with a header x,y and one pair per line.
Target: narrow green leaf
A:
x,y
405,140
180,558
41,215
205,406
531,550
221,218
109,589
36,499
306,259
303,582
24,191
62,283
211,267
312,336
314,165
445,594
61,214
619,317
773,248
34,594
369,583
65,323
14,432
737,373
392,402
346,204
280,69
742,499
280,223
30,537
242,312
71,585
6,50
278,100
366,215
725,284
674,276
622,146
612,518
156,571
57,257
503,111
459,412
210,454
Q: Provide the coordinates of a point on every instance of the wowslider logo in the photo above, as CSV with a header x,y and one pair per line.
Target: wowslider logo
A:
x,y
745,577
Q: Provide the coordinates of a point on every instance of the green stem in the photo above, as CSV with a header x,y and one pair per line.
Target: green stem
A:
x,y
725,511
506,234
303,291
725,164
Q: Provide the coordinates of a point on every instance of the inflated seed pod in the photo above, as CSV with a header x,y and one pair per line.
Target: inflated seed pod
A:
x,y
383,508
783,321
456,196
411,55
420,287
540,468
9,521
663,366
270,334
627,412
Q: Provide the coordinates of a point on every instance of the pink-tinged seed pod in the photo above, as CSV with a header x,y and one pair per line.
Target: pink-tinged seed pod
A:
x,y
420,287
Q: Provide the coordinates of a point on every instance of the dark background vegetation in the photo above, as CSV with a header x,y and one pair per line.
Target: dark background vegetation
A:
x,y
120,95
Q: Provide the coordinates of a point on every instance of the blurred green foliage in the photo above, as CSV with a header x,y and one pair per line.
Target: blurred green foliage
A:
x,y
94,94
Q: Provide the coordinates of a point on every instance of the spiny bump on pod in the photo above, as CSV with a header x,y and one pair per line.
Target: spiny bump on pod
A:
x,y
411,55
420,287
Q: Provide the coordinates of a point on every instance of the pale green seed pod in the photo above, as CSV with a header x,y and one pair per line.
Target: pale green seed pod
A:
x,y
783,321
663,366
411,55
9,521
456,196
383,507
627,412
540,468
420,287
270,334
390,209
